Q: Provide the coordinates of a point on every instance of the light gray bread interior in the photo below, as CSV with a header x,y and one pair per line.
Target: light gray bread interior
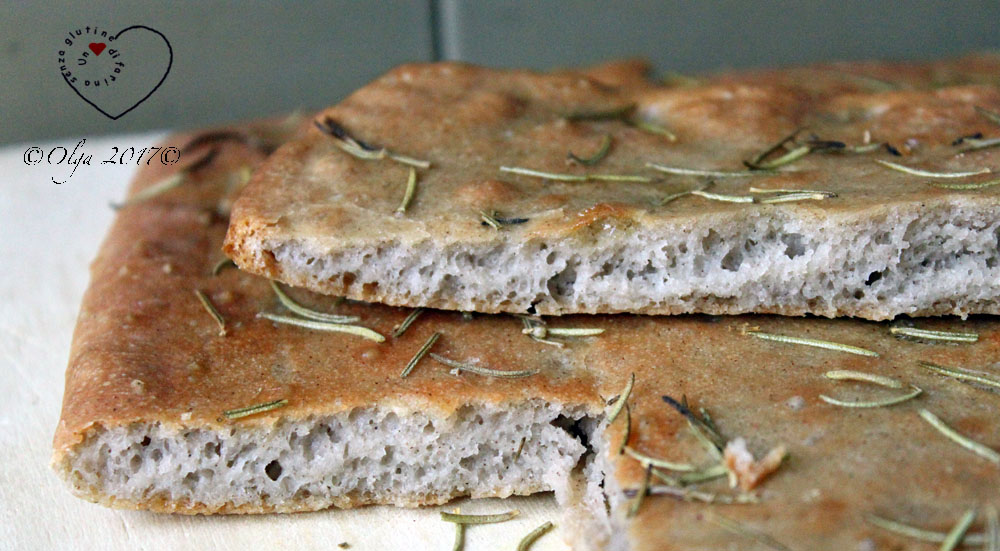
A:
x,y
899,260
370,455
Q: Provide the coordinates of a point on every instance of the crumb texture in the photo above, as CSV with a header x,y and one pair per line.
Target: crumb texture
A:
x,y
368,455
907,260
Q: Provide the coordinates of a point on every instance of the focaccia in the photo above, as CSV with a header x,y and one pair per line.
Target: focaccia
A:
x,y
151,380
826,190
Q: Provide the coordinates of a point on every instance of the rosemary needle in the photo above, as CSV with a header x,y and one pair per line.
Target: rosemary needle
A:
x,y
356,330
658,463
622,398
489,220
951,336
654,128
406,323
813,342
597,157
723,197
962,374
541,331
633,509
420,354
627,433
919,533
930,174
698,172
917,391
977,185
458,367
309,313
210,308
765,191
254,409
534,535
975,447
957,532
785,159
975,144
411,187
847,375
560,177
222,265
459,537
158,188
479,519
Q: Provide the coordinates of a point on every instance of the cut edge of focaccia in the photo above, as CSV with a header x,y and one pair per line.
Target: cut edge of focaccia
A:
x,y
888,244
149,379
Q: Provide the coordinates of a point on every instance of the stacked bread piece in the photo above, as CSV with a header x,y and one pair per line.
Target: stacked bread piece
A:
x,y
518,239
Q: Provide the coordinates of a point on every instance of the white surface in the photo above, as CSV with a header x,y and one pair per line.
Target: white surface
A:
x,y
48,235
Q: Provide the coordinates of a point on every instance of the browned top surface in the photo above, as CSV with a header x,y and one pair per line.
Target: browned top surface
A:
x,y
843,463
141,322
469,121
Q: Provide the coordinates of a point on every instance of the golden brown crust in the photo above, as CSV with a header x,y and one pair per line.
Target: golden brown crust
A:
x,y
469,121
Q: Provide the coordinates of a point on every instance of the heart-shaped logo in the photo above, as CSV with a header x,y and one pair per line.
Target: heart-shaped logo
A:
x,y
138,61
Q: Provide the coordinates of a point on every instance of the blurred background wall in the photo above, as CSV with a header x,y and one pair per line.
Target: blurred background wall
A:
x,y
240,59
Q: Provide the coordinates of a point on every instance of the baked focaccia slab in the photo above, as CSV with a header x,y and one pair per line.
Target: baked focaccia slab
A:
x,y
762,192
155,412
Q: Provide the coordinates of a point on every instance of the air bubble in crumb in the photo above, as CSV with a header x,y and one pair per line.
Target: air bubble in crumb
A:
x,y
138,386
795,403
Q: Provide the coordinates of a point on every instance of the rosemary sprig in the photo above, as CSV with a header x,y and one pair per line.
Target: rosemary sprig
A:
x,y
479,519
917,391
976,185
848,375
529,539
406,323
957,533
992,116
989,454
928,173
356,330
561,177
680,171
919,533
222,265
411,187
489,220
812,342
734,527
254,409
962,374
210,308
458,367
170,182
622,398
362,150
950,336
646,460
597,157
633,509
300,310
420,354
